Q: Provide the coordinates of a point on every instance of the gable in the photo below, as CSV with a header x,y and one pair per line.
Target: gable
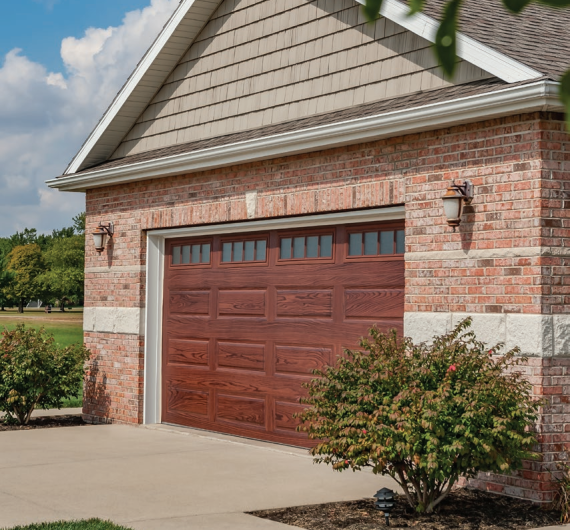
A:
x,y
259,63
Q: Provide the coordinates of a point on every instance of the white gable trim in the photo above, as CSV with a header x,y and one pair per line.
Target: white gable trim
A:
x,y
157,64
468,49
185,25
540,95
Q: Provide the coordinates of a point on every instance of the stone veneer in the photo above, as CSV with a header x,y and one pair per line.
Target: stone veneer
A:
x,y
507,264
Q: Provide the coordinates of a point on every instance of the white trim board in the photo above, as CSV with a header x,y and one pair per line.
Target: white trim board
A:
x,y
155,281
468,49
182,29
540,95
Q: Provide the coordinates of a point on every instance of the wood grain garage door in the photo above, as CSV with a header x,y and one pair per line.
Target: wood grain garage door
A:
x,y
247,318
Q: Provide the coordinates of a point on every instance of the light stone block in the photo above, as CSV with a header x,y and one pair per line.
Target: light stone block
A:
x,y
127,320
422,327
251,204
531,333
489,328
561,329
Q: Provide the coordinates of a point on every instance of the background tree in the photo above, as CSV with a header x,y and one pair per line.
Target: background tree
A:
x,y
445,45
63,280
25,263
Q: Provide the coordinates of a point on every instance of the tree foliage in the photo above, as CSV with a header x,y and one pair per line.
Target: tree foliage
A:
x,y
36,372
57,276
445,46
425,415
64,277
25,264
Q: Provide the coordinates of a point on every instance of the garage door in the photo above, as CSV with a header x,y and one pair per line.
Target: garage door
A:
x,y
248,317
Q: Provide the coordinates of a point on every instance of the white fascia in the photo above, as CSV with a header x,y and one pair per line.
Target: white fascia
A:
x,y
541,95
472,51
156,245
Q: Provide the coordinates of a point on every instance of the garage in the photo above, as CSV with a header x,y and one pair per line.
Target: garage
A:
x,y
248,317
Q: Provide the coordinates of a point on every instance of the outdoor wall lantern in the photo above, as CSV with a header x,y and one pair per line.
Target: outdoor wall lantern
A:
x,y
100,236
453,200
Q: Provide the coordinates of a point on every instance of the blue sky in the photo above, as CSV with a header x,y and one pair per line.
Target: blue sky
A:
x,y
39,26
61,64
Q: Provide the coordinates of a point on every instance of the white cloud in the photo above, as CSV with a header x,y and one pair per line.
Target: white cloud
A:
x,y
46,116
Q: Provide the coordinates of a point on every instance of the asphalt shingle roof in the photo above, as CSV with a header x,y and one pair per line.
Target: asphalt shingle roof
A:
x,y
538,37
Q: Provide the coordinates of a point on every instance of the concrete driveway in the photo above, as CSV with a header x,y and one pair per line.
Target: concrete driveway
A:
x,y
161,478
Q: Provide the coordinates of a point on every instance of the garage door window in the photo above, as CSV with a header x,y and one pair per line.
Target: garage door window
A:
x,y
197,254
306,247
243,251
376,243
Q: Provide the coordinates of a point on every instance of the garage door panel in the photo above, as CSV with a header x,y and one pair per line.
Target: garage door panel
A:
x,y
241,355
382,274
188,351
243,302
240,410
304,303
244,329
282,328
374,303
238,383
188,402
302,360
189,302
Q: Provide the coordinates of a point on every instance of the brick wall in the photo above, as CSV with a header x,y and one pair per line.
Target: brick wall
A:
x,y
517,229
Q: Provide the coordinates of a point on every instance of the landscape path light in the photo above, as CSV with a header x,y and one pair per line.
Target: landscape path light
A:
x,y
385,502
100,236
453,200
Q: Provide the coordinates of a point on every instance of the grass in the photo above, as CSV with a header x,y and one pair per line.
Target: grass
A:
x,y
91,524
67,329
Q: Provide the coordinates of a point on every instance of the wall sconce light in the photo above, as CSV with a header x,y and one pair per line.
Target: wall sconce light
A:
x,y
100,236
453,200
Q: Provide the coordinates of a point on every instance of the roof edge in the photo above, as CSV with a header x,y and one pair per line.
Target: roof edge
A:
x,y
469,49
542,95
132,82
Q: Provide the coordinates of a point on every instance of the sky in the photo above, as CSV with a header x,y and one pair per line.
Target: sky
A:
x,y
61,64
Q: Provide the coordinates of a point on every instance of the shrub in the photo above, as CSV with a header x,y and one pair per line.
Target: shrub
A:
x,y
425,415
561,500
36,372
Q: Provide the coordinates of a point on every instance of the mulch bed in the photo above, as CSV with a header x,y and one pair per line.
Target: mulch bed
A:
x,y
45,423
462,510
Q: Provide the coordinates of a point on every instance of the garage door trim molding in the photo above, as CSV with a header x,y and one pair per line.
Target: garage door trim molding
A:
x,y
155,280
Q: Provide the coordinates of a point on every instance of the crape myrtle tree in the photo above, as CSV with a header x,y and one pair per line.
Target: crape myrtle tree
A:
x,y
426,415
445,45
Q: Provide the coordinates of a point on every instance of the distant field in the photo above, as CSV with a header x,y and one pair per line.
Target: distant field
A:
x,y
67,328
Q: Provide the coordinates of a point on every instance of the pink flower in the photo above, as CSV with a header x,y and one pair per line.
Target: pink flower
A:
x,y
363,431
346,462
452,368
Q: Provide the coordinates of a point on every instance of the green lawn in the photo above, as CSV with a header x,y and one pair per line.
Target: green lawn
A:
x,y
67,328
91,524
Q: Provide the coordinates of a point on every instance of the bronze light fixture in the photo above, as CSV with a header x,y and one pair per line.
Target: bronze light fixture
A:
x,y
100,235
456,196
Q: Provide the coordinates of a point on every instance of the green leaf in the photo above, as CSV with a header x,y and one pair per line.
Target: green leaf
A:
x,y
416,6
371,9
446,37
516,6
555,3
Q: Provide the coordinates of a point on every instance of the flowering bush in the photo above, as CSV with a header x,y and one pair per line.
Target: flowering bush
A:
x,y
425,415
36,372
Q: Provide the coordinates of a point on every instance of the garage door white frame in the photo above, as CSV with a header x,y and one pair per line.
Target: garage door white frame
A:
x,y
155,280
